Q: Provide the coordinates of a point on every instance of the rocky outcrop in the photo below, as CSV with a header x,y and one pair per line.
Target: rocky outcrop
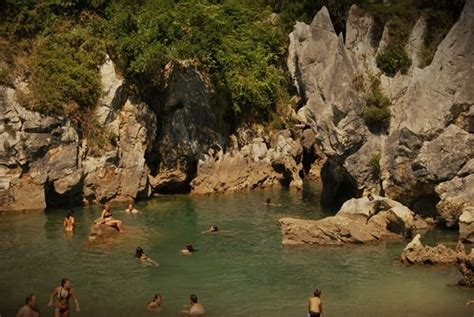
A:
x,y
259,164
44,161
100,232
359,220
417,253
430,139
190,126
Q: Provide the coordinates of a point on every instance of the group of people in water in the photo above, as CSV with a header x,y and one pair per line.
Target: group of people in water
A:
x,y
59,298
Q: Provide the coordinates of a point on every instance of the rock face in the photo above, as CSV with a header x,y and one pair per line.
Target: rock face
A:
x,y
190,126
358,221
422,160
44,161
259,164
101,232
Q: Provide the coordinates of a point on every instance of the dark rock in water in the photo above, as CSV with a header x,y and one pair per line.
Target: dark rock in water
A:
x,y
359,221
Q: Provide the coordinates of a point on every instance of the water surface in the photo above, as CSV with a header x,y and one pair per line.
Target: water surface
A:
x,y
244,271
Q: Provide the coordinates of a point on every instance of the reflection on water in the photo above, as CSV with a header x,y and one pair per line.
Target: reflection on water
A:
x,y
243,271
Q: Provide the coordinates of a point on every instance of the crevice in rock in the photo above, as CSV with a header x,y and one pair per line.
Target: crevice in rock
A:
x,y
338,186
309,157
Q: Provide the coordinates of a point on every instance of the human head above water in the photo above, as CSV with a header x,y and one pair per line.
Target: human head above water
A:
x,y
130,206
69,214
193,298
214,228
65,283
106,207
157,297
31,300
139,252
269,200
317,292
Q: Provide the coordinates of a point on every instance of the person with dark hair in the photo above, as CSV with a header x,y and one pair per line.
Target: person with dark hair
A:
x,y
62,295
196,309
106,219
155,304
30,309
68,223
131,209
212,229
188,249
315,307
140,254
268,202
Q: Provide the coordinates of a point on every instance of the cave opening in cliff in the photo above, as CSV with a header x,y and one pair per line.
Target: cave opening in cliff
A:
x,y
338,186
425,205
178,186
73,197
309,157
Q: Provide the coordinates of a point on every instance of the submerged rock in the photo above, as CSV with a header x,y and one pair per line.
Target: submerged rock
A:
x,y
358,221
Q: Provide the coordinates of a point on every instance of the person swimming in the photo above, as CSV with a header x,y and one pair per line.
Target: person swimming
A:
x,y
188,249
315,306
140,254
268,202
62,295
68,223
212,229
197,309
106,219
131,209
155,304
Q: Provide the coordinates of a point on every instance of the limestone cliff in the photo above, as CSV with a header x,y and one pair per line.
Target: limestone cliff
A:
x,y
424,155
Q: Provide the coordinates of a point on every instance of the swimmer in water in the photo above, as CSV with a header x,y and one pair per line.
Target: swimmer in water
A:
x,y
212,229
30,309
131,209
196,309
155,304
140,254
188,249
269,203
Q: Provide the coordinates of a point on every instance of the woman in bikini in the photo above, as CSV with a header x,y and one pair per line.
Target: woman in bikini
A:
x,y
106,219
69,222
62,295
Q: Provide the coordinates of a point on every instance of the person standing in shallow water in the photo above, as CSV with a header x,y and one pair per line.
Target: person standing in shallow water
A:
x,y
62,295
31,307
315,306
69,222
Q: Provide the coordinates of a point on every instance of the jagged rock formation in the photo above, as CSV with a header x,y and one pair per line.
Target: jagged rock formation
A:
x,y
358,221
44,161
142,149
256,165
424,156
417,253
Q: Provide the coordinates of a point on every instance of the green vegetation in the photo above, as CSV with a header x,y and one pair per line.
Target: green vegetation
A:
x,y
240,44
375,165
393,59
376,113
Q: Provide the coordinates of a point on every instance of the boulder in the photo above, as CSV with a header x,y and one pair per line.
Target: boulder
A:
x,y
358,221
416,253
100,232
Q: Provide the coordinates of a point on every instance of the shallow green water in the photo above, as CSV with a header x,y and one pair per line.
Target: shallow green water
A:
x,y
244,271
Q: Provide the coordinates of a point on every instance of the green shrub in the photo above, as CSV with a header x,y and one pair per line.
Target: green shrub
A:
x,y
392,60
377,118
64,69
375,165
